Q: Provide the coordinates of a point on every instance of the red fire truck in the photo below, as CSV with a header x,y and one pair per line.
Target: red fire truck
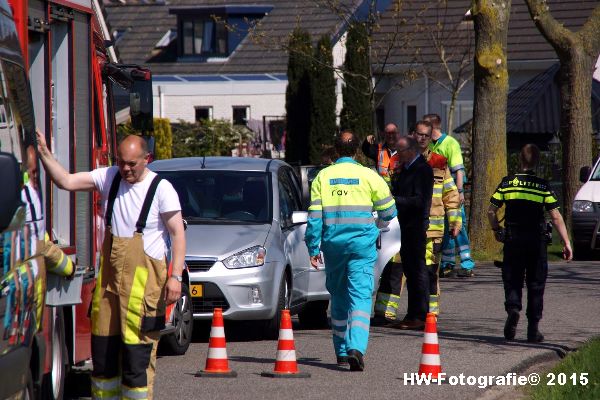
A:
x,y
72,71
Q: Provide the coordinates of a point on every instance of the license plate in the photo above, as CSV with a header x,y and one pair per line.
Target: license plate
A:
x,y
196,290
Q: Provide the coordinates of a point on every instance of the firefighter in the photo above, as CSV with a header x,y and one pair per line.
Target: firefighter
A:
x,y
341,224
445,205
388,293
449,147
526,196
132,290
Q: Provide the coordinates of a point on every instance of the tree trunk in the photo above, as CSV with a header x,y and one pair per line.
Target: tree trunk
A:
x,y
575,121
489,114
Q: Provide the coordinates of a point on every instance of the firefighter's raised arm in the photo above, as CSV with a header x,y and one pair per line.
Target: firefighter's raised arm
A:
x,y
81,181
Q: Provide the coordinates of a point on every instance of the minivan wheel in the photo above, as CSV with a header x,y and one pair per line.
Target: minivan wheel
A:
x,y
271,330
178,342
53,386
314,315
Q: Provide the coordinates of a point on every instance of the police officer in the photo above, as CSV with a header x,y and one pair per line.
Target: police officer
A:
x,y
341,224
525,255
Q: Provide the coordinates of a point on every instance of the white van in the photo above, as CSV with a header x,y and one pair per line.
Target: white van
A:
x,y
586,213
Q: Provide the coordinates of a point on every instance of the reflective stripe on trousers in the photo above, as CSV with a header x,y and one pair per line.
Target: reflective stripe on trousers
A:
x,y
106,389
386,304
462,240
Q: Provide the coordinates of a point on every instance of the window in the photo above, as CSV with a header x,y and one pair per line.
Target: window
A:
x,y
241,115
233,197
288,200
203,113
411,117
203,36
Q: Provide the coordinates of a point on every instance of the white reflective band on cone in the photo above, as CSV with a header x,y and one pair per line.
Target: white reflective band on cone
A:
x,y
217,352
217,331
431,359
286,334
286,355
430,338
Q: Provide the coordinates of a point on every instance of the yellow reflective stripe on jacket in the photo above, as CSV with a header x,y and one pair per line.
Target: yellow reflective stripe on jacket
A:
x,y
134,306
449,184
64,267
522,195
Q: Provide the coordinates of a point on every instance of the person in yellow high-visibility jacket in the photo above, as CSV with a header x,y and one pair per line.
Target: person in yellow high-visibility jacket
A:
x,y
341,224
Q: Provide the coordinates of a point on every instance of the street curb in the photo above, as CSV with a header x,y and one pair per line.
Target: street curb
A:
x,y
547,358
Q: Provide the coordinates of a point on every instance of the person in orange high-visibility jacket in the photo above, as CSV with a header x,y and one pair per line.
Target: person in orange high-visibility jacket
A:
x,y
341,224
381,153
388,294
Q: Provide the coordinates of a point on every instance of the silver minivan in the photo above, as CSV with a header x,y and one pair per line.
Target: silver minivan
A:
x,y
245,240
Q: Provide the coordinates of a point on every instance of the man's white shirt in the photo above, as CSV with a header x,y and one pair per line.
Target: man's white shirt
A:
x,y
128,205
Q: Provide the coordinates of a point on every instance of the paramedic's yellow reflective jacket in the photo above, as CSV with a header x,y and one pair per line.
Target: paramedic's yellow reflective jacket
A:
x,y
343,197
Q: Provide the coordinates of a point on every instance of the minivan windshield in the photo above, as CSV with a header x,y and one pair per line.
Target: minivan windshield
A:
x,y
222,196
596,173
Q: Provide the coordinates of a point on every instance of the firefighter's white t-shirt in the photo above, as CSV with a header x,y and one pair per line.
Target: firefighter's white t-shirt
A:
x,y
128,206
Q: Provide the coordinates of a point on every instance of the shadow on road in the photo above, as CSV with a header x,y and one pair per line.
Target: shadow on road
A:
x,y
313,362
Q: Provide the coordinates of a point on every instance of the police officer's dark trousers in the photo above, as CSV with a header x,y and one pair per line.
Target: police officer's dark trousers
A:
x,y
417,279
525,259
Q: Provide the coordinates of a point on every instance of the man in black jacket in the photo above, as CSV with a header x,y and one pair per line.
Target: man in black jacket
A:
x,y
412,187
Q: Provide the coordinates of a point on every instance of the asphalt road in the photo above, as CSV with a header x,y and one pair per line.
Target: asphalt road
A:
x,y
470,336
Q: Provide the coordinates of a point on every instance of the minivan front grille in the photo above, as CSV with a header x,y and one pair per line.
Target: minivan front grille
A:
x,y
199,265
211,299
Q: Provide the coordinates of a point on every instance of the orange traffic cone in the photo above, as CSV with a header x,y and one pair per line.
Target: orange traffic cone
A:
x,y
216,360
430,358
285,364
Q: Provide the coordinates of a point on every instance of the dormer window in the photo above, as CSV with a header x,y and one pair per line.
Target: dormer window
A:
x,y
212,33
203,36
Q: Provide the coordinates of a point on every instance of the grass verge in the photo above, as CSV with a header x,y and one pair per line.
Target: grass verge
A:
x,y
565,380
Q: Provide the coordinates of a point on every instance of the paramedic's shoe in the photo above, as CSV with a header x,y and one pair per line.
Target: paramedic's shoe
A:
x,y
355,359
464,273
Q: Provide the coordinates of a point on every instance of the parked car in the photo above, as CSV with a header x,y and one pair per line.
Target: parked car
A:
x,y
586,213
245,240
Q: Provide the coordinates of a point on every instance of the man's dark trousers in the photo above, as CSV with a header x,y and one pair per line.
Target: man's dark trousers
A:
x,y
412,253
525,259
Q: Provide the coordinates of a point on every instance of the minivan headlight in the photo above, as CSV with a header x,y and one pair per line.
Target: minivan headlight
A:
x,y
252,257
583,206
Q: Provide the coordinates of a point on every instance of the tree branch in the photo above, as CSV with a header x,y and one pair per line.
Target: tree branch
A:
x,y
590,33
555,33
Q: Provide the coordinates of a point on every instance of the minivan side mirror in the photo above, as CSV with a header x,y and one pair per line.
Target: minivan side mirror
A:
x,y
584,174
299,217
10,195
